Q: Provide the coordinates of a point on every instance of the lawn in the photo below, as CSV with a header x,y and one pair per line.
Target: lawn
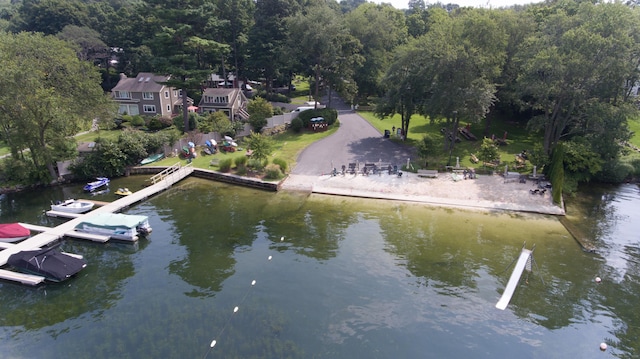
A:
x,y
634,126
287,146
518,138
91,136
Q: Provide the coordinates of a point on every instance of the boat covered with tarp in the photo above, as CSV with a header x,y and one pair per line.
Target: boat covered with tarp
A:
x,y
13,232
49,263
116,225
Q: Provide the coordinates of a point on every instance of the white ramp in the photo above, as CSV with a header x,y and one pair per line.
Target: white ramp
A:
x,y
514,279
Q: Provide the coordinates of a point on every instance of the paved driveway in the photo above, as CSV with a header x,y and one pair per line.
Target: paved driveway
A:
x,y
355,141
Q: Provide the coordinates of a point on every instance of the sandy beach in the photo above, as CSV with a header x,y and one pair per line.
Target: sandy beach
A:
x,y
486,192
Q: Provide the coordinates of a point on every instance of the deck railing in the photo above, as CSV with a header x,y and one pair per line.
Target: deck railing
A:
x,y
169,172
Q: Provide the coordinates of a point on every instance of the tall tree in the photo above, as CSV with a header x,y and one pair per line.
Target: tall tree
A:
x,y
48,95
576,66
239,17
50,16
450,72
268,55
323,45
89,45
183,44
380,29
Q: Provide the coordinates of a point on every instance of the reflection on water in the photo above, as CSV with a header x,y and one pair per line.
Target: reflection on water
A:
x,y
351,278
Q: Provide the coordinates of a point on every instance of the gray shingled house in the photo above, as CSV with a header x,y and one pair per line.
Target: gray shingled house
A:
x,y
146,95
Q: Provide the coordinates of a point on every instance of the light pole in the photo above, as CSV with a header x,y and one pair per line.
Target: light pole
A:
x,y
453,137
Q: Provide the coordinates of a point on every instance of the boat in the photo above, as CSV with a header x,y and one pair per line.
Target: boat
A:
x,y
152,158
72,206
13,232
116,225
123,192
99,182
49,263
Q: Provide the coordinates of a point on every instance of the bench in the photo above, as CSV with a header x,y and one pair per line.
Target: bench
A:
x,y
428,173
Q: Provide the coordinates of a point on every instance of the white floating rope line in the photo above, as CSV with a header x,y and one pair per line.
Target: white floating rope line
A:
x,y
235,310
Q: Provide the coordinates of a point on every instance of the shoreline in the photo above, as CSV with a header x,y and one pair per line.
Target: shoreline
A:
x,y
486,192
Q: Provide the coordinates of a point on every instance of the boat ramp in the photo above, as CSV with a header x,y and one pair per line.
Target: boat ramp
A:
x,y
47,235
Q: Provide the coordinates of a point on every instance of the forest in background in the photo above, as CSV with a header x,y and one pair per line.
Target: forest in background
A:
x,y
568,69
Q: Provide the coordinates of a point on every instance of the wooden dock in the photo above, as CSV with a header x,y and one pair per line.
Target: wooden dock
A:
x,y
161,182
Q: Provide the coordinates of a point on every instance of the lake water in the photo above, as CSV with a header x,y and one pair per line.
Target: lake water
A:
x,y
335,277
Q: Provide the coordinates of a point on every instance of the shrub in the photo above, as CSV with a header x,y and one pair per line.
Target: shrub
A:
x,y
225,164
273,172
297,125
277,111
282,163
241,161
137,121
241,170
329,114
255,163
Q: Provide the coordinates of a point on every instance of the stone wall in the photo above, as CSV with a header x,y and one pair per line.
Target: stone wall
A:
x,y
216,176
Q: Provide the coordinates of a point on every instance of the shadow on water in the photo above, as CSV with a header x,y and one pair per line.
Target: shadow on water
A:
x,y
336,278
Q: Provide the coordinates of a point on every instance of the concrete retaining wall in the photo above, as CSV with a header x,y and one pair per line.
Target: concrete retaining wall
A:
x,y
216,176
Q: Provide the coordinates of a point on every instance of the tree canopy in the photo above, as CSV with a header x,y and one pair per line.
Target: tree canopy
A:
x,y
48,95
568,69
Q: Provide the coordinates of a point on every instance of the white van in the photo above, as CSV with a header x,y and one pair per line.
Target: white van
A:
x,y
303,108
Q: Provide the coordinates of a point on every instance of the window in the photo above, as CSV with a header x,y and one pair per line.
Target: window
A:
x,y
168,108
147,95
216,99
123,94
149,108
166,94
128,109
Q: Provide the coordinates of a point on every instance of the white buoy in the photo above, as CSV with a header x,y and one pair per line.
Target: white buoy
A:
x,y
269,258
598,280
281,238
235,310
603,346
213,344
253,282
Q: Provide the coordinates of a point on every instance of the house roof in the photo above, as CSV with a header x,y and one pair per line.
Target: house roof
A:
x,y
144,82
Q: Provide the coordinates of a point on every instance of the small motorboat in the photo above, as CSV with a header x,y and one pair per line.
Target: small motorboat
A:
x,y
123,192
13,232
99,182
72,206
49,263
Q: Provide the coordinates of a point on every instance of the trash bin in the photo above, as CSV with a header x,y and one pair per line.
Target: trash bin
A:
x,y
387,133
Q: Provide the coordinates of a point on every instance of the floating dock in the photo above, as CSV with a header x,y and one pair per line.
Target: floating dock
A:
x,y
514,279
161,182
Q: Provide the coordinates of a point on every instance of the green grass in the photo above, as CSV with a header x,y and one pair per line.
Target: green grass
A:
x,y
93,135
518,138
288,146
634,126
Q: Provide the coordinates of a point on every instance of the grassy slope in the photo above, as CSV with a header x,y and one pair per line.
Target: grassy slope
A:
x,y
518,138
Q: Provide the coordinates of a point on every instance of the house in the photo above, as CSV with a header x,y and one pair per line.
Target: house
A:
x,y
146,95
231,101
